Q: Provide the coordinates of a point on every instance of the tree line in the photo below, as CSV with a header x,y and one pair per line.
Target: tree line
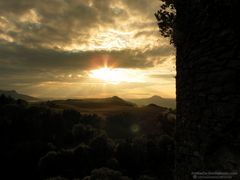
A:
x,y
39,142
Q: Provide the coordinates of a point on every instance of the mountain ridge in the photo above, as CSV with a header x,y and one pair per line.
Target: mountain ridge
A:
x,y
96,102
14,94
158,100
114,100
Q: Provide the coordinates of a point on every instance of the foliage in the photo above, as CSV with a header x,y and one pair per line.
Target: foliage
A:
x,y
105,173
166,16
40,142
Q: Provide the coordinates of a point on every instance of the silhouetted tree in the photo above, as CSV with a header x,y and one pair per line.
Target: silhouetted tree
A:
x,y
38,141
102,149
106,174
57,178
120,125
146,177
83,133
166,19
142,155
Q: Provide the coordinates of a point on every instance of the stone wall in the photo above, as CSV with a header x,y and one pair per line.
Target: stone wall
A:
x,y
207,82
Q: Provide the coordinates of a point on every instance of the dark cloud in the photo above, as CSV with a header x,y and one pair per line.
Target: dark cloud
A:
x,y
139,5
18,56
15,6
145,33
162,51
145,7
60,21
20,64
165,76
38,39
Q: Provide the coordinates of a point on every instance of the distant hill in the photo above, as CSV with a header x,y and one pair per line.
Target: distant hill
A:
x,y
95,103
16,95
164,102
146,117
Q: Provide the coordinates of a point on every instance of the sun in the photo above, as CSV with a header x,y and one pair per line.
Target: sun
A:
x,y
108,74
115,75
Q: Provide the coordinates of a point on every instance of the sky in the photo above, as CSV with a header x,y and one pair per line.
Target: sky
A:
x,y
84,49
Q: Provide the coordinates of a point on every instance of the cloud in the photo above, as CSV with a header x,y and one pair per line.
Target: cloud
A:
x,y
24,65
59,22
17,56
145,7
62,23
170,76
60,40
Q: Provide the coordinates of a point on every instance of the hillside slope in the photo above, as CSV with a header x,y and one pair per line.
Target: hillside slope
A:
x,y
164,102
16,95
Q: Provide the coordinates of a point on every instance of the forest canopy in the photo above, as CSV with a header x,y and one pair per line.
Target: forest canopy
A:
x,y
39,141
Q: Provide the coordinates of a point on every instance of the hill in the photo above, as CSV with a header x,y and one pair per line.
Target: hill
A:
x,y
121,114
100,106
108,106
16,95
95,103
39,140
164,102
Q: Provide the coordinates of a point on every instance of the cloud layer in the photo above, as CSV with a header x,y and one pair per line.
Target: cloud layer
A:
x,y
53,41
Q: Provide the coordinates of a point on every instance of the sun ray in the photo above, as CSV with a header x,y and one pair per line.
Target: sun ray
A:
x,y
116,75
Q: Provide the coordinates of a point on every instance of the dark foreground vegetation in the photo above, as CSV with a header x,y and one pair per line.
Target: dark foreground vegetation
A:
x,y
40,142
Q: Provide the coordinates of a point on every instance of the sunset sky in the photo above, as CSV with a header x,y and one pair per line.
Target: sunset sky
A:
x,y
84,49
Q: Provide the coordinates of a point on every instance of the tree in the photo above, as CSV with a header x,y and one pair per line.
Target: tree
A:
x,y
105,173
166,19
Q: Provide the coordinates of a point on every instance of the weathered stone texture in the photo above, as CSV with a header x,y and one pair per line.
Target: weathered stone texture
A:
x,y
207,81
